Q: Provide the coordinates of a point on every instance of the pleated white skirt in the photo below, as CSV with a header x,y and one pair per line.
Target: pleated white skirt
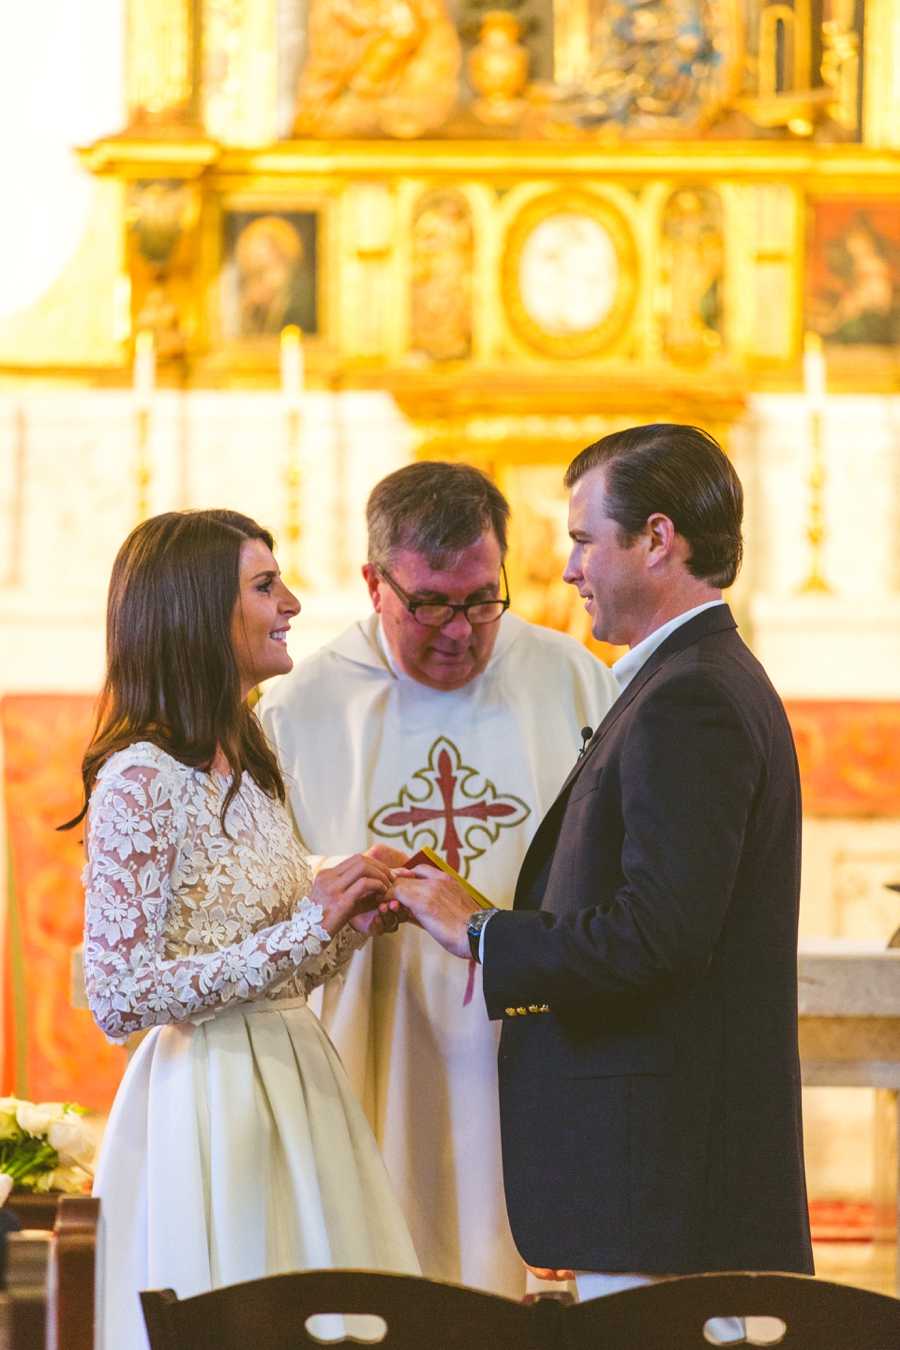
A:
x,y
235,1149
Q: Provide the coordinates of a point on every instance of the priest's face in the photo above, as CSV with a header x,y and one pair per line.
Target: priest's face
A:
x,y
448,657
611,574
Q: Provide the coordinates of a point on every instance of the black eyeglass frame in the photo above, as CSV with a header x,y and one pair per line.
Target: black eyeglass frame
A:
x,y
412,605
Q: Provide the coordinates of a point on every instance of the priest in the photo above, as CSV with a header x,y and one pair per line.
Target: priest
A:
x,y
441,720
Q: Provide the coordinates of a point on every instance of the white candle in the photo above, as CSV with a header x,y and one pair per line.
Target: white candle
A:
x,y
814,383
292,372
144,371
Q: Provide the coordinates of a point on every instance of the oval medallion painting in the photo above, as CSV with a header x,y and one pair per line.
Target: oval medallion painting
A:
x,y
569,274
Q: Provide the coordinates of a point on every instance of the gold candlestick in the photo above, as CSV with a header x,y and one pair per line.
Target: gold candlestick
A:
x,y
814,387
292,386
144,384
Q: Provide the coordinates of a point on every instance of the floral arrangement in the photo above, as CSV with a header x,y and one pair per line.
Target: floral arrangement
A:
x,y
44,1146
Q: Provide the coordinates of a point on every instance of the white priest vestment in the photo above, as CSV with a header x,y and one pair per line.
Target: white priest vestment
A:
x,y
370,755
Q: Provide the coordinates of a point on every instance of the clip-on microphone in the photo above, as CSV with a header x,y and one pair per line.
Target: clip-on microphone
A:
x,y
586,734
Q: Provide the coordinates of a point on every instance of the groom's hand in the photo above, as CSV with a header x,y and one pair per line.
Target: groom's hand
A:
x,y
440,905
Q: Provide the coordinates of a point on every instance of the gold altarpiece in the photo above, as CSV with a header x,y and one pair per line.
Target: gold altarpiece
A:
x,y
527,240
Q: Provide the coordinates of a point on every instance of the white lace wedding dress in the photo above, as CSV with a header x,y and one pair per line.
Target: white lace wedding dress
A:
x,y
236,1147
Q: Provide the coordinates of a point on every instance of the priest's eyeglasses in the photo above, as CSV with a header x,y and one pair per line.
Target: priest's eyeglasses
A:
x,y
433,614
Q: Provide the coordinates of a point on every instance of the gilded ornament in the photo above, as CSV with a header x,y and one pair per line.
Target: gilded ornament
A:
x,y
840,63
159,315
783,96
650,67
569,274
442,276
498,68
158,213
386,66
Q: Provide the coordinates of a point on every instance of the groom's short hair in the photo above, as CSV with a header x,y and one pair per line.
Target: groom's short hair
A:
x,y
681,472
436,508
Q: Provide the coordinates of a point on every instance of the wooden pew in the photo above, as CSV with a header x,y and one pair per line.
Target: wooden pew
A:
x,y
48,1303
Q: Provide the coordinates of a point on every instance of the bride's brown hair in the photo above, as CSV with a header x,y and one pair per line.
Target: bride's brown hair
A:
x,y
171,672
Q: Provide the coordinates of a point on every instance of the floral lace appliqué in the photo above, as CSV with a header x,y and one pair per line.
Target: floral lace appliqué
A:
x,y
180,918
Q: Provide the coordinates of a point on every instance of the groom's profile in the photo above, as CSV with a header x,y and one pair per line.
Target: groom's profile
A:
x,y
646,977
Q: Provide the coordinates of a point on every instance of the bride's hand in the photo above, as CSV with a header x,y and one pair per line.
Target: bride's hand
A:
x,y
387,918
391,857
352,887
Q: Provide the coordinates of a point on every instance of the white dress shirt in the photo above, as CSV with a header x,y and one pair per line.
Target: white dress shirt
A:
x,y
628,665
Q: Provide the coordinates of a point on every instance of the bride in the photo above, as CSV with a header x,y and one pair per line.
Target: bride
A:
x,y
235,1147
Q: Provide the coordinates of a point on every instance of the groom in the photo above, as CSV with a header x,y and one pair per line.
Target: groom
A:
x,y
646,978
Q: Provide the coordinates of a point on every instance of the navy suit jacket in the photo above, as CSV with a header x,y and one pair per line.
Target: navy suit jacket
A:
x,y
647,982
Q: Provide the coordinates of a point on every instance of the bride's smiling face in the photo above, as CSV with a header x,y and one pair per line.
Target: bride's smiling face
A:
x,y
261,618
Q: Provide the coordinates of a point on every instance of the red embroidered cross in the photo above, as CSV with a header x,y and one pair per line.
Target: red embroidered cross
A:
x,y
446,773
446,781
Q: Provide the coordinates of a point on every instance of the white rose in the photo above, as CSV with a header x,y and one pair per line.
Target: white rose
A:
x,y
37,1119
6,1185
69,1179
72,1139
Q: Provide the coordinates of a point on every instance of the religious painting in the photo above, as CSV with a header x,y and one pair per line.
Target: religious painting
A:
x,y
269,273
853,275
569,274
387,66
692,257
442,276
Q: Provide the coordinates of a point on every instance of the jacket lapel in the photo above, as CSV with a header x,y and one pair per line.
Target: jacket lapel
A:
x,y
710,621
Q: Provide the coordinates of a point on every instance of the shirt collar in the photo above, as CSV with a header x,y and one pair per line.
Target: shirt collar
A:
x,y
628,665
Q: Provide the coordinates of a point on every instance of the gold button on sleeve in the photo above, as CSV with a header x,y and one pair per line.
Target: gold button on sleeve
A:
x,y
510,1012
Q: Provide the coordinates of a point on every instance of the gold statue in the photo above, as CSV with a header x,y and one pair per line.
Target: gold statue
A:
x,y
693,262
377,66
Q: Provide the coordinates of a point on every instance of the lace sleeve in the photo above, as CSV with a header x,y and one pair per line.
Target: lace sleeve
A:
x,y
332,959
137,824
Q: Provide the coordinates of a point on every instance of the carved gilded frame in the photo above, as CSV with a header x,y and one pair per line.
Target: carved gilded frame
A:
x,y
604,334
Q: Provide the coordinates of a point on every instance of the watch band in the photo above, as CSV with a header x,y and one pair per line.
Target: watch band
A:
x,y
474,927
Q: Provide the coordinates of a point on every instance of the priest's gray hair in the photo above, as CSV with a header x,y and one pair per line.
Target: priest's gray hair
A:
x,y
436,508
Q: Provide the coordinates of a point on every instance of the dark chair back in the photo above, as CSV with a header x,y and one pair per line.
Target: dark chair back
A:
x,y
671,1315
24,1303
70,1303
420,1314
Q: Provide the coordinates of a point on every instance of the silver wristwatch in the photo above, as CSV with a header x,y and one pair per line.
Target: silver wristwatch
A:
x,y
474,927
